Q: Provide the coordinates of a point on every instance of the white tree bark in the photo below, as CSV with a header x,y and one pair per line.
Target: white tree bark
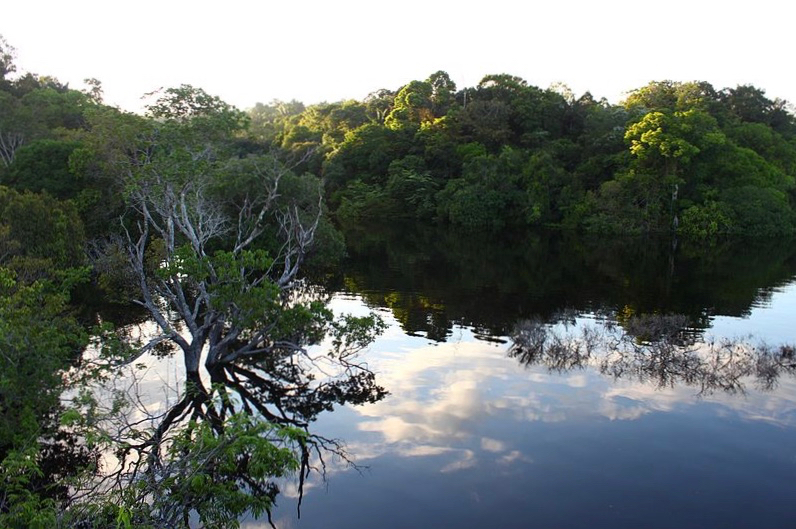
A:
x,y
185,214
9,143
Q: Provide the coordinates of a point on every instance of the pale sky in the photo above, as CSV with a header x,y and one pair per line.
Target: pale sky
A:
x,y
329,50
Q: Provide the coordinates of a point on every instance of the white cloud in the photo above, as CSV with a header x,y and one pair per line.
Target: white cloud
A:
x,y
468,460
514,456
492,445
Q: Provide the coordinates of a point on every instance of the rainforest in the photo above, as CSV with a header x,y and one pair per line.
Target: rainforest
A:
x,y
205,309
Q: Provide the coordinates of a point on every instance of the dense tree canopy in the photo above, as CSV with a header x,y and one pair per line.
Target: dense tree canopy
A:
x,y
505,154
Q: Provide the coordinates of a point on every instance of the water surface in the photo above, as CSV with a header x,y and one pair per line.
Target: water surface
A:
x,y
473,434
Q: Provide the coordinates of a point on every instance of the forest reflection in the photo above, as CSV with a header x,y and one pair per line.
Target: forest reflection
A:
x,y
434,280
660,350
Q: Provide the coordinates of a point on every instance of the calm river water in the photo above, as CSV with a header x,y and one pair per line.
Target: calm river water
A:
x,y
475,433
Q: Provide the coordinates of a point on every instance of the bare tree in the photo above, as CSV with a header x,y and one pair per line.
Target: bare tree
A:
x,y
9,143
177,225
197,238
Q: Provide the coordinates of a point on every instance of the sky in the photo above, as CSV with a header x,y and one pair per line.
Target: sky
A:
x,y
257,51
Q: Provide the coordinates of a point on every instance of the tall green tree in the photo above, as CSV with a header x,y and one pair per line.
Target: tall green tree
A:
x,y
413,105
666,143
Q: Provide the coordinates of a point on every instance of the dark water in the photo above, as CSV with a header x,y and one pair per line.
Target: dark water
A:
x,y
650,428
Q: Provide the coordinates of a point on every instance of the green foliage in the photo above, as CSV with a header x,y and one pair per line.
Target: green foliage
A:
x,y
366,154
671,148
749,104
20,506
740,166
672,96
411,188
236,180
378,105
197,111
762,212
43,166
472,206
412,106
361,201
332,121
218,472
443,92
408,193
472,150
550,190
686,141
39,232
38,341
221,476
767,143
189,130
706,220
657,135
633,202
352,333
267,122
56,109
525,187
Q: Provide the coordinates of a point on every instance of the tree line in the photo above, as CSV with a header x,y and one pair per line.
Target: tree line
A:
x,y
673,156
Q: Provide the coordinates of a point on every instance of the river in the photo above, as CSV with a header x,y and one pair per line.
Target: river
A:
x,y
478,432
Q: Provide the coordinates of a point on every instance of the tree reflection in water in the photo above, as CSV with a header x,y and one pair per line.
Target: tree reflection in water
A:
x,y
661,350
233,432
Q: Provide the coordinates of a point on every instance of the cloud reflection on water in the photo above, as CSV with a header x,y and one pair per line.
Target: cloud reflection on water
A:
x,y
458,397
